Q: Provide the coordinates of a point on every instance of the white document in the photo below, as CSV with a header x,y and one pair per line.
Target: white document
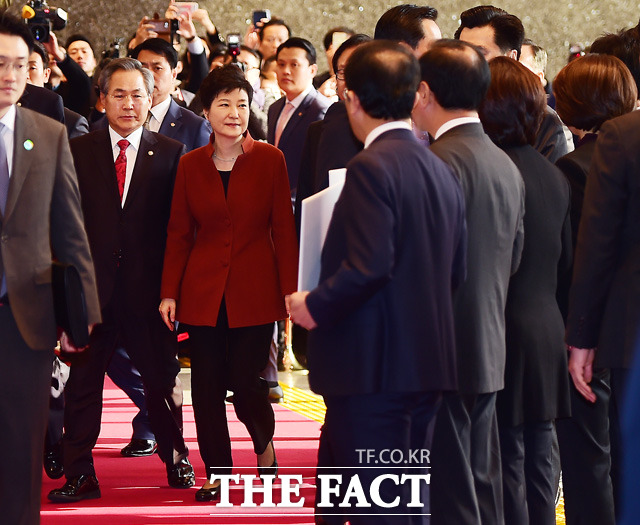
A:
x,y
316,214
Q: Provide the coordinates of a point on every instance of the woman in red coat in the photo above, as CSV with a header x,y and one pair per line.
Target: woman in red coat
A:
x,y
230,259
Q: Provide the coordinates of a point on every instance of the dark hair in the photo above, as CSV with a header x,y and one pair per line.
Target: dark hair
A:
x,y
39,48
76,37
160,47
625,45
223,80
124,64
250,50
593,89
13,26
300,43
478,16
273,22
403,23
509,33
514,106
328,38
351,42
385,77
457,74
508,29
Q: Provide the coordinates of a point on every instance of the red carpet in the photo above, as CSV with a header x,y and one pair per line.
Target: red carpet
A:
x,y
135,490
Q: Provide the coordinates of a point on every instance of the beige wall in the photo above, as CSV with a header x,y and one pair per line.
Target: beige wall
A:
x,y
553,25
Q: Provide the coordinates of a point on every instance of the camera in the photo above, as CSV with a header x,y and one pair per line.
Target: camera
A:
x,y
43,19
166,28
233,43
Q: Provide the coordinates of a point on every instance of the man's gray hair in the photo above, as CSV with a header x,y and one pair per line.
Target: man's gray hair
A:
x,y
124,64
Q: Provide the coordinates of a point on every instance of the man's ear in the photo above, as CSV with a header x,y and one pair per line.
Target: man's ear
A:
x,y
512,54
314,69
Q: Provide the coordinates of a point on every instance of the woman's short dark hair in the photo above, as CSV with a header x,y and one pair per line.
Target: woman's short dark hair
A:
x,y
224,79
514,105
593,89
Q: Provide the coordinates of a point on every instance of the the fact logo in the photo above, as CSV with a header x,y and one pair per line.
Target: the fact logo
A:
x,y
334,490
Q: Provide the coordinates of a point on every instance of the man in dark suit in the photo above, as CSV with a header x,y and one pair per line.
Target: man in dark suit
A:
x,y
291,115
43,101
167,117
604,312
40,214
394,251
466,473
498,33
126,177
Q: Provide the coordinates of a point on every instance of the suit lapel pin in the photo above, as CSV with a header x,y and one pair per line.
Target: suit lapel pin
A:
x,y
300,114
28,145
173,124
149,153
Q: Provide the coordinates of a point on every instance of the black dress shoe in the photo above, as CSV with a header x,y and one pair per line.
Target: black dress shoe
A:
x,y
53,466
180,475
208,494
76,489
271,470
139,447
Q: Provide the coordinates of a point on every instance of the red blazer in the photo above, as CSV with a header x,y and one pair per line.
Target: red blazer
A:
x,y
243,246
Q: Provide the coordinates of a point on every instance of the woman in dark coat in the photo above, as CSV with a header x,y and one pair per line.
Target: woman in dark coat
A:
x,y
536,382
589,91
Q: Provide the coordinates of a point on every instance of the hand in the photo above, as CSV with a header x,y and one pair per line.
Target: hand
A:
x,y
187,29
251,38
168,312
54,49
328,88
144,32
297,309
67,347
202,16
581,370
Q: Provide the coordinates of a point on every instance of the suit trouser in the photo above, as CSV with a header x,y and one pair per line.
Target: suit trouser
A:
x,y
527,473
466,477
590,451
229,358
127,378
152,347
385,429
24,402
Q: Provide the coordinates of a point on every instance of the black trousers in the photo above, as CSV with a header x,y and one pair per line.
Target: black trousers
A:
x,y
466,477
590,451
527,473
229,358
369,436
24,404
152,348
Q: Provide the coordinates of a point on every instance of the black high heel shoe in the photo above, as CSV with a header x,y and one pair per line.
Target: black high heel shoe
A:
x,y
208,494
271,470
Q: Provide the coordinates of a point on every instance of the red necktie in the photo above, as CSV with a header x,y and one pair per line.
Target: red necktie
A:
x,y
121,166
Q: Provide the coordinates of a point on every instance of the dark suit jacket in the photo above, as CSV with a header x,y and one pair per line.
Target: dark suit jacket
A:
x,y
77,91
313,108
329,144
43,101
76,124
185,126
394,250
604,303
551,140
242,246
494,202
536,377
42,214
127,243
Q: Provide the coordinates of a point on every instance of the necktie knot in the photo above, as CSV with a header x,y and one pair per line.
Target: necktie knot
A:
x,y
123,145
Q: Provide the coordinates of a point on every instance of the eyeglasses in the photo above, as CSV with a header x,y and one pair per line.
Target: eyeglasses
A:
x,y
340,74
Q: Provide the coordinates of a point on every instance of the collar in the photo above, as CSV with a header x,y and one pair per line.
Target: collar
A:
x,y
383,128
9,119
247,144
159,111
133,138
298,100
454,123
